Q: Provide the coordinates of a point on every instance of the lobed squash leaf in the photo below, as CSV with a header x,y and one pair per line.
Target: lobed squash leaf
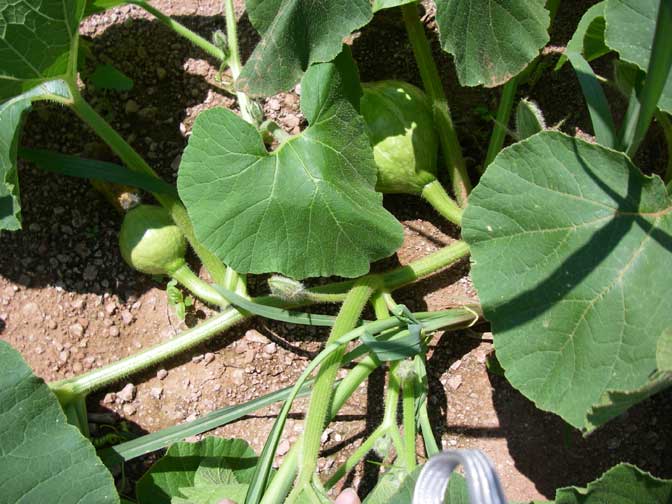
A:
x,y
491,40
307,209
294,35
43,458
567,239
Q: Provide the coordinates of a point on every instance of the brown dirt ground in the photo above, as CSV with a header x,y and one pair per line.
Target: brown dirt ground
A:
x,y
68,303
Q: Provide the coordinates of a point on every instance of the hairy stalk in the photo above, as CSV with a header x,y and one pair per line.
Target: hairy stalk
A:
x,y
398,277
198,287
437,196
319,400
282,481
135,162
450,145
182,30
431,447
93,380
501,121
83,384
408,419
234,59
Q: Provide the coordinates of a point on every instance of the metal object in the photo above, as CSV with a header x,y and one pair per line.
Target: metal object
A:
x,y
482,480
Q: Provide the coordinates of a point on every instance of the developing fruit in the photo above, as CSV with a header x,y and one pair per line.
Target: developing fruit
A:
x,y
150,242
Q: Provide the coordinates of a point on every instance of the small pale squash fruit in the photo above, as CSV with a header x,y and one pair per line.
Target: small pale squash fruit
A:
x,y
400,126
150,242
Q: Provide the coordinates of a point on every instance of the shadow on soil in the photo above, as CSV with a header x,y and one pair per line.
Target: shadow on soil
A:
x,y
69,236
553,455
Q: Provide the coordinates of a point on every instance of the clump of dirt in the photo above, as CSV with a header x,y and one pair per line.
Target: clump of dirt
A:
x,y
69,304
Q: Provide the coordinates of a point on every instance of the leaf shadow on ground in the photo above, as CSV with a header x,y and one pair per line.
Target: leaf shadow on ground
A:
x,y
552,454
70,231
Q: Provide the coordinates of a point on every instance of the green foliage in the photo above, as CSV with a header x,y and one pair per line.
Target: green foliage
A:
x,y
567,239
43,458
37,43
294,35
622,484
150,242
630,28
177,300
588,39
12,113
529,119
400,126
491,40
388,4
311,204
201,472
109,77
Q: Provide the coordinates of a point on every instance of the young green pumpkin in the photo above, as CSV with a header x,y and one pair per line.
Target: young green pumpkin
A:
x,y
151,243
405,144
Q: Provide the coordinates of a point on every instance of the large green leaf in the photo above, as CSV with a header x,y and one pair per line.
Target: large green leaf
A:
x,y
622,484
588,38
491,40
38,41
195,470
12,112
294,35
388,4
42,457
307,209
569,244
630,28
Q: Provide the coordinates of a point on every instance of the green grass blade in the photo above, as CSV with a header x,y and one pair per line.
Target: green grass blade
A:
x,y
161,439
273,313
598,106
656,77
74,166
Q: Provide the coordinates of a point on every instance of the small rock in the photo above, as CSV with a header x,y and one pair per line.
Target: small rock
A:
x,y
283,447
274,104
196,359
76,331
78,304
161,374
326,434
208,358
127,394
129,409
292,121
109,398
63,356
90,273
32,310
127,317
113,331
248,357
77,367
254,336
455,365
110,308
131,107
454,382
156,392
271,348
238,376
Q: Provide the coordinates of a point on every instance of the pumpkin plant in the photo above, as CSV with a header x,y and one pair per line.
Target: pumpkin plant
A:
x,y
568,239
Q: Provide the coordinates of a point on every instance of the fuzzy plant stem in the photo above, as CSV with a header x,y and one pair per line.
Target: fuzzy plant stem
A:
x,y
318,407
135,162
408,420
432,82
501,121
234,59
282,481
199,288
182,30
71,388
437,196
656,77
